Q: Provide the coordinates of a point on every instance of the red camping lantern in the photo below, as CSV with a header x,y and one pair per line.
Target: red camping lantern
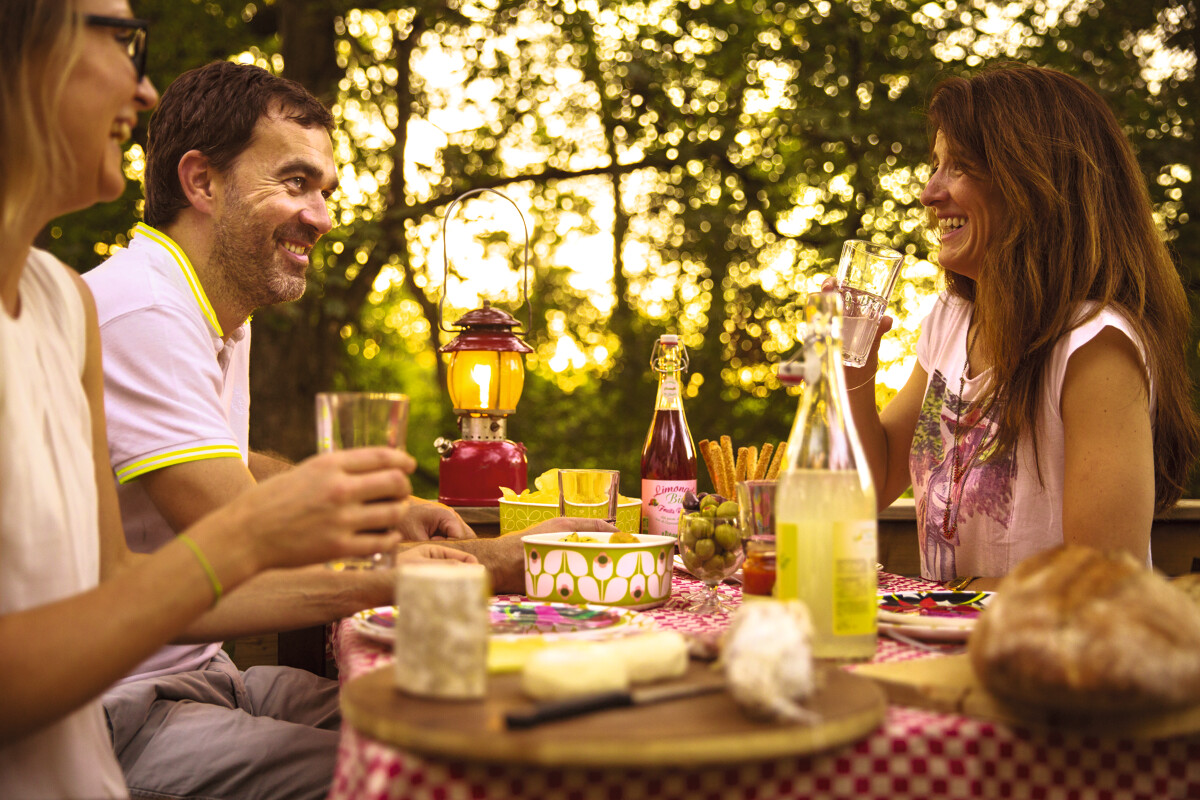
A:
x,y
485,378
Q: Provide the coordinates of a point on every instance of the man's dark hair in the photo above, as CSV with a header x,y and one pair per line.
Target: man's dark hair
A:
x,y
214,109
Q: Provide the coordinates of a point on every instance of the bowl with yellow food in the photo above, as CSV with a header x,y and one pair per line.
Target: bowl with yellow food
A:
x,y
629,570
520,511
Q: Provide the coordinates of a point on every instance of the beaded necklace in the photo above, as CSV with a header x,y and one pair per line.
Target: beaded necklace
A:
x,y
958,470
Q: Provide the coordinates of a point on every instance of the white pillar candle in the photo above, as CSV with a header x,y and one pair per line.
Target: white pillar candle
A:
x,y
442,629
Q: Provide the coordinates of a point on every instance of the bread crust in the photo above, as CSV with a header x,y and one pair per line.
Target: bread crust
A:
x,y
1190,585
1080,630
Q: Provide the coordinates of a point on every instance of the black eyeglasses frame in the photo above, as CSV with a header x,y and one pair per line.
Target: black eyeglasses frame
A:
x,y
138,45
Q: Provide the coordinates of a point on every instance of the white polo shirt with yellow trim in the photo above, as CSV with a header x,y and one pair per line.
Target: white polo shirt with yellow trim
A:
x,y
176,389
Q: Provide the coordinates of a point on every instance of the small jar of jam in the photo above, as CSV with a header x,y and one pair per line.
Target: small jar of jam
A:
x,y
758,570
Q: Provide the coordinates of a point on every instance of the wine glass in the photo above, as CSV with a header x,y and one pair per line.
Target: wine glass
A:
x,y
711,548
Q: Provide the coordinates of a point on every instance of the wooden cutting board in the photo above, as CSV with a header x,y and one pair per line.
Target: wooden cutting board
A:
x,y
949,684
707,729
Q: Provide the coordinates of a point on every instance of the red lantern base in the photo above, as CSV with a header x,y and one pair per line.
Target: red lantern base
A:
x,y
472,471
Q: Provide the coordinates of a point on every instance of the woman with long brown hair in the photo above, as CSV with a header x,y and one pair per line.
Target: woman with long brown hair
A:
x,y
1050,402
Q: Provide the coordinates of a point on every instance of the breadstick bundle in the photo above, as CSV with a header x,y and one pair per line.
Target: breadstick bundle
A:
x,y
751,463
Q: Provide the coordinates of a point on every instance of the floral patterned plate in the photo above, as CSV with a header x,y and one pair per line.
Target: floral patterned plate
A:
x,y
935,616
519,619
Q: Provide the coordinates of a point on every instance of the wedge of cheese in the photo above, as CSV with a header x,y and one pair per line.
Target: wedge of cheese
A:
x,y
567,670
570,669
653,656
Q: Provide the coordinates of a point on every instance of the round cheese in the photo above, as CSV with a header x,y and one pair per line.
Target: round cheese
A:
x,y
442,629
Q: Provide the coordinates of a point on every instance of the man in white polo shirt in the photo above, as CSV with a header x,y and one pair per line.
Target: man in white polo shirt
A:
x,y
239,167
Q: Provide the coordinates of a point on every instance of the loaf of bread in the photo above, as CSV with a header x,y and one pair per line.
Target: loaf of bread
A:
x,y
1080,630
1190,585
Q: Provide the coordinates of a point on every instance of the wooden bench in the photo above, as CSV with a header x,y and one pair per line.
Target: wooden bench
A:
x,y
1174,539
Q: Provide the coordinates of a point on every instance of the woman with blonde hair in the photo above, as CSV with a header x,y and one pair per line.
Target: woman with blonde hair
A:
x,y
1050,402
77,610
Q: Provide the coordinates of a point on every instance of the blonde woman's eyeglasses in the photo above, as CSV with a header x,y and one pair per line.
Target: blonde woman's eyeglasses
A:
x,y
135,33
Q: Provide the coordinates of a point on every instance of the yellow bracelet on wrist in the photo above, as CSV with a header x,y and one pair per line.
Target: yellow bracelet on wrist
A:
x,y
218,590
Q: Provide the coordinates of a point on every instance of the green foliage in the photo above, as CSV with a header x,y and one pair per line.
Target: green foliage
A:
x,y
711,155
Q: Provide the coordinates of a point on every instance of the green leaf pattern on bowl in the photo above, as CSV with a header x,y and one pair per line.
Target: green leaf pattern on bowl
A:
x,y
519,516
625,578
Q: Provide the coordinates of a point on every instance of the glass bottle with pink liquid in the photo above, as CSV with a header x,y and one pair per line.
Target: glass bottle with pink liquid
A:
x,y
669,455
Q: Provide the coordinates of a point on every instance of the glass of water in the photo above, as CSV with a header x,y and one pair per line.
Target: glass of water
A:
x,y
361,419
866,274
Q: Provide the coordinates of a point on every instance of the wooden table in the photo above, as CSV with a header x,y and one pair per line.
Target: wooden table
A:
x,y
484,520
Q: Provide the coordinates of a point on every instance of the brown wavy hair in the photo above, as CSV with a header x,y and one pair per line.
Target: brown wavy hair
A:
x,y
214,109
1079,227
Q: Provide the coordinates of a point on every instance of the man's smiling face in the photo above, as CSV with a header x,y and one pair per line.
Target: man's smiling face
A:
x,y
272,209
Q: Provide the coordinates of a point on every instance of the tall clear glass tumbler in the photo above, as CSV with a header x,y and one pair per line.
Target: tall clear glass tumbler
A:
x,y
361,419
867,272
591,493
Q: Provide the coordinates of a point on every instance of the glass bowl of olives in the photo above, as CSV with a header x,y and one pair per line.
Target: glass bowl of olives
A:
x,y
710,544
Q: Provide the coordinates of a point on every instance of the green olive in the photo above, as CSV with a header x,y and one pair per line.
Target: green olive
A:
x,y
690,561
727,537
704,549
709,501
715,566
728,509
702,527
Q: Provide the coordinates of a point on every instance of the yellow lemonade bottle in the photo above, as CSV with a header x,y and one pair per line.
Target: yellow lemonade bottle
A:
x,y
825,514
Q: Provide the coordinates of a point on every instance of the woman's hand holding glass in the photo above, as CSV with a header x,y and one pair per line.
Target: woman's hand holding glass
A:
x,y
860,376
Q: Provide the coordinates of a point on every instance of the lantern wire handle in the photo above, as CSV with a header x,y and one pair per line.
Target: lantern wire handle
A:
x,y
446,257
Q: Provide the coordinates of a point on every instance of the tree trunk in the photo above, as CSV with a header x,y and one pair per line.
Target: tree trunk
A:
x,y
295,346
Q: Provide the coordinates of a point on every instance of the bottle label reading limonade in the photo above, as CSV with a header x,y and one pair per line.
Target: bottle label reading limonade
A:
x,y
670,388
661,503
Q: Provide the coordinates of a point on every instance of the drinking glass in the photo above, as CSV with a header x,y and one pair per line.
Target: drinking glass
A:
x,y
711,548
866,274
756,510
361,419
591,493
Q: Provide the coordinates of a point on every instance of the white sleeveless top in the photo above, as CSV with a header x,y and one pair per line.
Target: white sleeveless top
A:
x,y
999,510
49,529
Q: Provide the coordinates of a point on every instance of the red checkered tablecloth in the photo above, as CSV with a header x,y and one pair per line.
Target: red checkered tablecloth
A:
x,y
915,754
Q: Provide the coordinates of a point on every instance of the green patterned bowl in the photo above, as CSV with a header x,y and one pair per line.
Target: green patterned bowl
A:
x,y
517,516
636,575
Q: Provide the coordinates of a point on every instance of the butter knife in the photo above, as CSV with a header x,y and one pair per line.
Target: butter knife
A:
x,y
599,701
